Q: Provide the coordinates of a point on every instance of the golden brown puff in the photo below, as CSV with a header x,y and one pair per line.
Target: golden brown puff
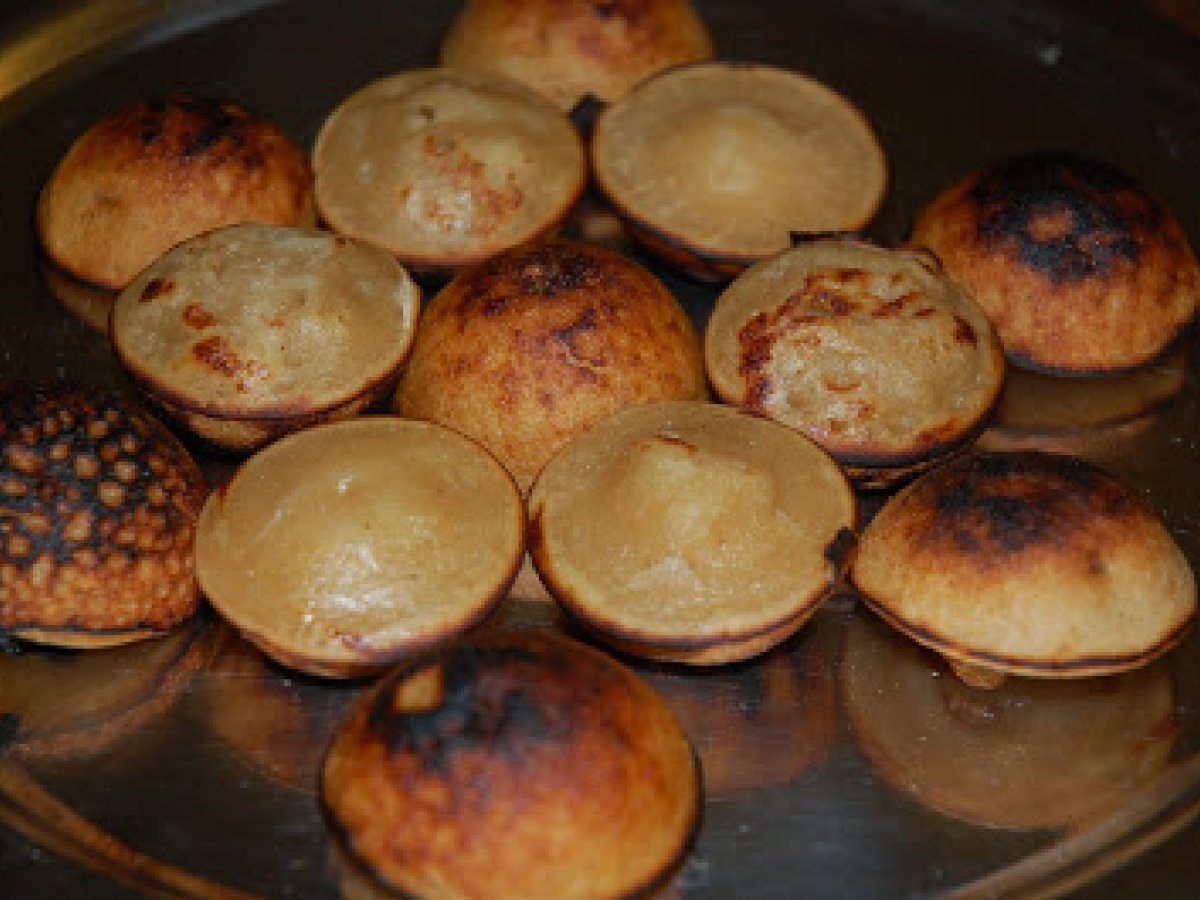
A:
x,y
98,507
715,165
690,531
517,764
153,173
1029,563
447,167
572,49
346,546
1078,267
531,348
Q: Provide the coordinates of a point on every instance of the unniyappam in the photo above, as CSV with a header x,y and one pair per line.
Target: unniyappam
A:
x,y
1080,269
248,332
519,764
344,547
691,531
872,352
1027,563
156,172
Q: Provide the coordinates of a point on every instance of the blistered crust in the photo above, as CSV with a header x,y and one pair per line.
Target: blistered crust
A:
x,y
443,167
246,332
872,353
98,503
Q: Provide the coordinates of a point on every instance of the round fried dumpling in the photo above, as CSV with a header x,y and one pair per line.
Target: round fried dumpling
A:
x,y
343,547
1079,268
716,165
518,764
528,350
251,331
1027,563
691,531
873,353
572,49
98,507
443,167
152,174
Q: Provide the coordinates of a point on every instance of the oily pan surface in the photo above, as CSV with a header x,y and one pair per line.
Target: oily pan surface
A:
x,y
939,82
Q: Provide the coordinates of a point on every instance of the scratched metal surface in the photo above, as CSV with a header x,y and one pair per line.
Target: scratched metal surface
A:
x,y
188,770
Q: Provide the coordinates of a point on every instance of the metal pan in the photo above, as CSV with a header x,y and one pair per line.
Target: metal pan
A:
x,y
197,781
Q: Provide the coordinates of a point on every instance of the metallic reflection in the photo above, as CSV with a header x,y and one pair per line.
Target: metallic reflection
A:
x,y
59,704
1032,754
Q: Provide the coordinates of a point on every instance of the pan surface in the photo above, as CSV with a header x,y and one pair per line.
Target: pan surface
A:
x,y
208,791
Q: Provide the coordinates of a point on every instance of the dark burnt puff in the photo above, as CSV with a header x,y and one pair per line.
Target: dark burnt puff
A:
x,y
1000,507
1099,208
204,125
98,503
482,704
514,764
1077,266
1027,563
